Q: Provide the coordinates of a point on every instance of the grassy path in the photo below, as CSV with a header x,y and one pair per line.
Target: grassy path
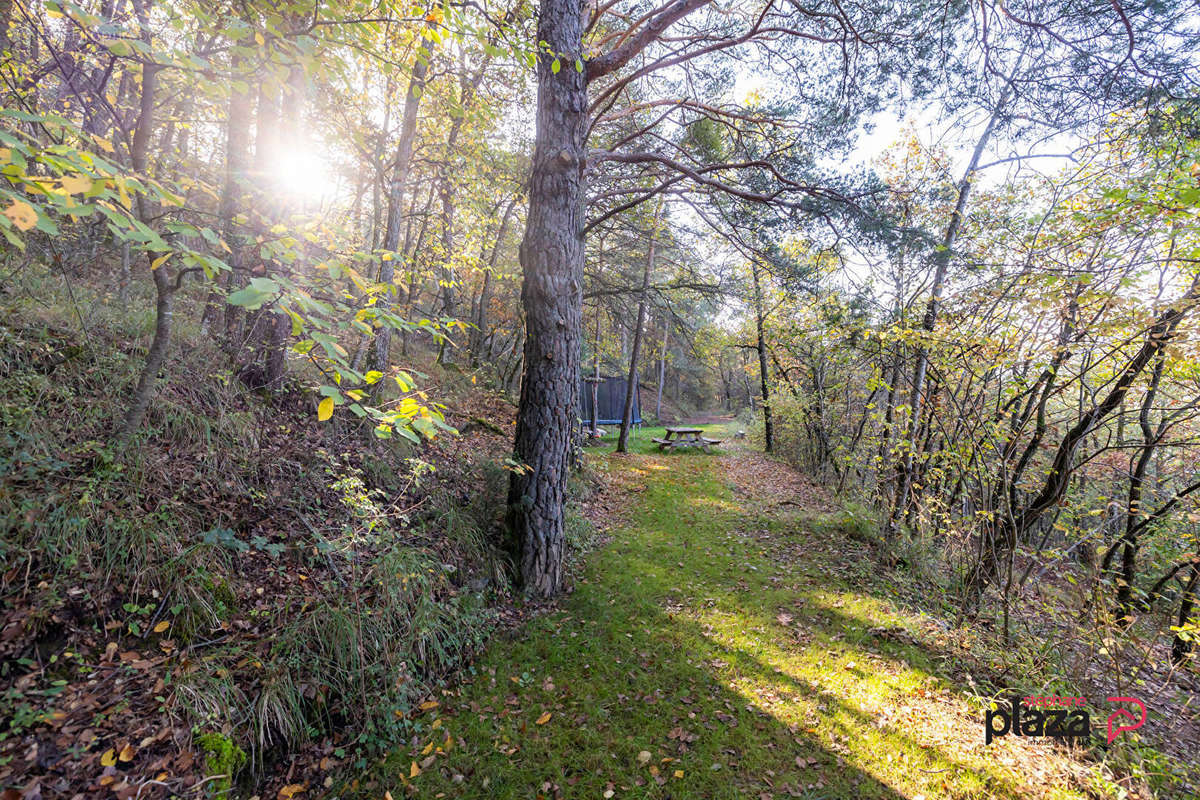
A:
x,y
721,645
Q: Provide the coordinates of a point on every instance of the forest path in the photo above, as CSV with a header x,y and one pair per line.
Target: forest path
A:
x,y
724,643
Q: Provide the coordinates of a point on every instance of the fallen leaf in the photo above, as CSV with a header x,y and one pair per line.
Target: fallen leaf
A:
x,y
127,753
291,790
544,718
414,770
643,756
108,758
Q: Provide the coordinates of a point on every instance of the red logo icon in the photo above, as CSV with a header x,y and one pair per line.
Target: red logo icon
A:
x,y
1115,727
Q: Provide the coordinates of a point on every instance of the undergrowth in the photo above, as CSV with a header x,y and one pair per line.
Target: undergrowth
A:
x,y
242,573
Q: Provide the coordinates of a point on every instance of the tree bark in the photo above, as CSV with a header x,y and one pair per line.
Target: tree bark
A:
x,y
631,384
552,258
485,293
156,356
5,20
1133,505
1181,644
237,164
400,173
242,327
468,88
662,368
761,346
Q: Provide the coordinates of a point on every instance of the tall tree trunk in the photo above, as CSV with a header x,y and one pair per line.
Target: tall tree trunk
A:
x,y
237,162
759,319
156,356
552,294
400,172
631,385
242,328
941,264
5,20
1133,506
662,368
280,324
596,375
485,293
1181,644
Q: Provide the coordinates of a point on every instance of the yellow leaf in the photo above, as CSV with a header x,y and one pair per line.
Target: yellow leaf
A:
x,y
76,184
678,773
291,790
428,749
109,758
544,718
104,144
414,770
258,37
21,214
429,704
162,626
325,409
158,262
123,192
5,154
127,753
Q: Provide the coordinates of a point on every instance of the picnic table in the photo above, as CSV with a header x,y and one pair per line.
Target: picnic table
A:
x,y
685,437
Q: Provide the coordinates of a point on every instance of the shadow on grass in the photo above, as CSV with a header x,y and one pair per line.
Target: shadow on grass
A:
x,y
676,669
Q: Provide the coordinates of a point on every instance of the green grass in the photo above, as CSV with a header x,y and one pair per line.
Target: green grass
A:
x,y
709,650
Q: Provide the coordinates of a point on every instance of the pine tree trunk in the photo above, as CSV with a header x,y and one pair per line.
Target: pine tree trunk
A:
x,y
552,259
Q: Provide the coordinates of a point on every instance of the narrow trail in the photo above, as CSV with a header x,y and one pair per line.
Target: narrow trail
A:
x,y
728,641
